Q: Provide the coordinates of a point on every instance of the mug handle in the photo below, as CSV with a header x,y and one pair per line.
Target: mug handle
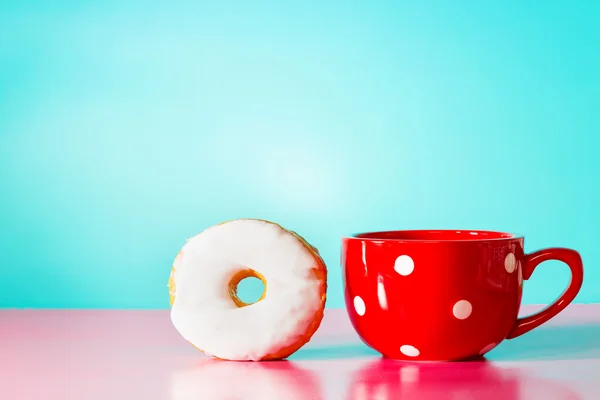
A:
x,y
569,257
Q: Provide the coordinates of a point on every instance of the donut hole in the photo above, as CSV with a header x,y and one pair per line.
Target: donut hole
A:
x,y
247,287
250,290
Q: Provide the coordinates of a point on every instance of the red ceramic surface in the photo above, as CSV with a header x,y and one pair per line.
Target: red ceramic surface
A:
x,y
443,295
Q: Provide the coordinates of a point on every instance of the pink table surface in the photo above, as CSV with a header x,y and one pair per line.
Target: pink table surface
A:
x,y
83,354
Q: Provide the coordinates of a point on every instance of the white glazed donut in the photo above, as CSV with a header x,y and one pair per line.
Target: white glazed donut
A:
x,y
207,312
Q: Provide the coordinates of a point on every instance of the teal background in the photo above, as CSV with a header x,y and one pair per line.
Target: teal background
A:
x,y
127,127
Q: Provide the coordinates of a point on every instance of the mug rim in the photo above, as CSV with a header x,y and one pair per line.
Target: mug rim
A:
x,y
395,236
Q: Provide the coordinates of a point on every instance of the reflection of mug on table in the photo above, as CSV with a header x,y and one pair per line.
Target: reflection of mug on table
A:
x,y
219,380
390,380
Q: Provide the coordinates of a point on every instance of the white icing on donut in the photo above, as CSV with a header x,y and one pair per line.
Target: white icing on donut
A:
x,y
206,316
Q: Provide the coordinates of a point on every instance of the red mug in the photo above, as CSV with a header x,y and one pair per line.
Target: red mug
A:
x,y
444,295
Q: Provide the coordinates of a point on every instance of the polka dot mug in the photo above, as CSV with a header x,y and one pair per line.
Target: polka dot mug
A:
x,y
444,295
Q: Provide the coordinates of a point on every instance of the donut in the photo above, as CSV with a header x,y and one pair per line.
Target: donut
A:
x,y
207,312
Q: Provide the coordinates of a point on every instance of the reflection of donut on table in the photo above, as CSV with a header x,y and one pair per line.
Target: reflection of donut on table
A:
x,y
218,380
207,311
